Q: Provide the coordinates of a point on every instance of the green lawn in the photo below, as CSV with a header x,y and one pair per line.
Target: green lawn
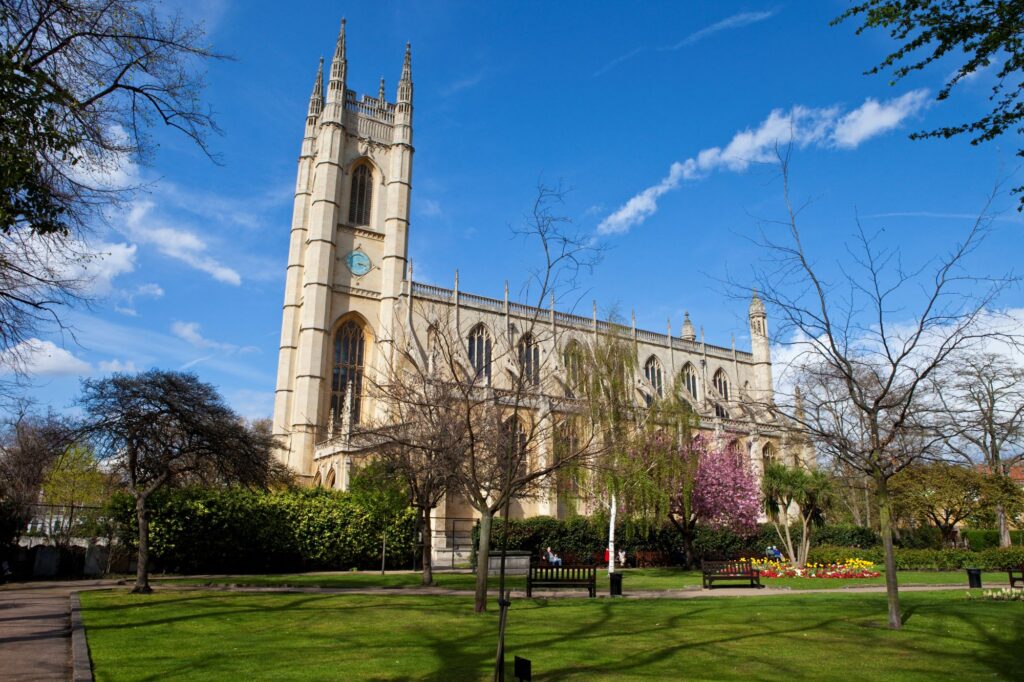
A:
x,y
213,636
636,579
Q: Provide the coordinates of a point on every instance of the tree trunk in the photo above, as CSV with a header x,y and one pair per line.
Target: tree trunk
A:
x,y
611,536
686,531
142,567
483,553
1004,528
805,539
885,523
428,547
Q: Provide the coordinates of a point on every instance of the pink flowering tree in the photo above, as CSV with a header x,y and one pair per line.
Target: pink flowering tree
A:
x,y
715,487
726,493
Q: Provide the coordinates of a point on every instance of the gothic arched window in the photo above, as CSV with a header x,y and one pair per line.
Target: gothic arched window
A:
x,y
347,373
480,353
515,445
721,383
768,454
690,379
331,477
529,360
361,197
572,359
652,370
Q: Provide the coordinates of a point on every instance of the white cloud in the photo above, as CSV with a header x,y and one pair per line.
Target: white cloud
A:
x,y
116,365
801,126
103,264
37,357
174,243
873,118
154,290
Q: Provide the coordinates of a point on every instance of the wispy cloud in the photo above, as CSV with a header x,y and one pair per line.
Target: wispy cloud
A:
x,y
461,84
429,207
189,331
144,227
734,21
800,126
938,215
142,291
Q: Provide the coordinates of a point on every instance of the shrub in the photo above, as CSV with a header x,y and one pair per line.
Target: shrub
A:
x,y
993,559
979,539
234,530
924,537
845,536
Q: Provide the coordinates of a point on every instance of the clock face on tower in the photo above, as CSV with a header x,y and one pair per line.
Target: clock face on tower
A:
x,y
358,263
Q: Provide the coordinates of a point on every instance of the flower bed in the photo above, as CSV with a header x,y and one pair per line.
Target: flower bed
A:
x,y
850,568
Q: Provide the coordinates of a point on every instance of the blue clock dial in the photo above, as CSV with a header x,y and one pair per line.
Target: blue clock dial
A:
x,y
358,263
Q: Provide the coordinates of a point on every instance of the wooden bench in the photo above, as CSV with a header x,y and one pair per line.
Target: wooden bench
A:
x,y
1017,577
729,570
562,576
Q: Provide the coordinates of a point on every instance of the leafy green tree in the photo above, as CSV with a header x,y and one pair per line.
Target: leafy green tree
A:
x,y
944,495
975,34
29,445
78,488
795,492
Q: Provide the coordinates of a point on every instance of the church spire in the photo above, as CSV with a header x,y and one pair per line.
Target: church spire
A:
x,y
405,83
316,100
336,84
380,92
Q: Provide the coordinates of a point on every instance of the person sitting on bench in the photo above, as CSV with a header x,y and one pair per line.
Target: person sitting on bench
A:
x,y
552,558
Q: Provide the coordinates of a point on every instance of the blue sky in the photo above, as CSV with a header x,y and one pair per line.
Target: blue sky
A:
x,y
659,116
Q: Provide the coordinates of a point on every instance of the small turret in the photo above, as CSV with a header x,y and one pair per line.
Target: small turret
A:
x,y
336,85
316,100
761,349
758,317
405,82
688,334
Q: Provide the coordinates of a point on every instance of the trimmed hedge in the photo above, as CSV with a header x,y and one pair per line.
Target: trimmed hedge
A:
x,y
233,530
994,558
979,539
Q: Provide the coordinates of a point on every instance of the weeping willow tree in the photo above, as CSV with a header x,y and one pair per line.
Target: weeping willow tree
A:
x,y
639,469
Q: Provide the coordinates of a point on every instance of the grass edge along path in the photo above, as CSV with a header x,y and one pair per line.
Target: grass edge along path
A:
x,y
199,635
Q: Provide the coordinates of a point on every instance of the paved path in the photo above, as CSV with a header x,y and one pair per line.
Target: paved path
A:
x,y
35,629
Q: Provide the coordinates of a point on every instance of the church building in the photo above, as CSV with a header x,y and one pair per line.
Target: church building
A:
x,y
349,287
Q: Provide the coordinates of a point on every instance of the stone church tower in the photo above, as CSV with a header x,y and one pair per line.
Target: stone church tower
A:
x,y
347,256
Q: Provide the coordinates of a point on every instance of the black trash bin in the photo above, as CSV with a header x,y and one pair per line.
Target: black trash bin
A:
x,y
974,578
616,584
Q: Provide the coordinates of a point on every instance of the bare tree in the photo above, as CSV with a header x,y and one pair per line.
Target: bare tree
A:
x,y
163,428
29,446
422,437
868,339
981,400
